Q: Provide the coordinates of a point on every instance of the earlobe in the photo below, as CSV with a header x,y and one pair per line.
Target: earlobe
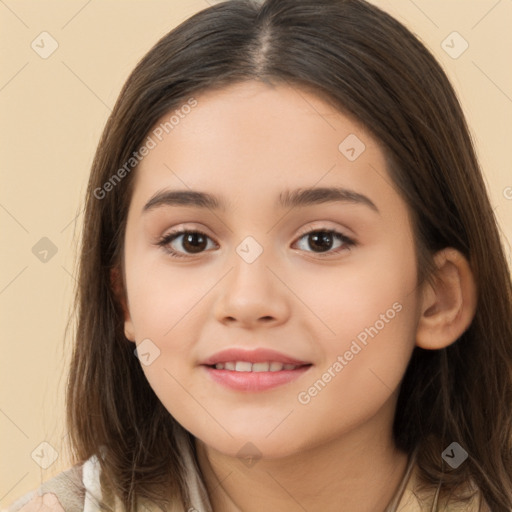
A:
x,y
448,304
116,283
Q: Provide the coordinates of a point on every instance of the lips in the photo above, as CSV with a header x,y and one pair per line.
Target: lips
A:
x,y
253,370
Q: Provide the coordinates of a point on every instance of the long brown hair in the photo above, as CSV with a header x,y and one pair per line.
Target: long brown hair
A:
x,y
373,69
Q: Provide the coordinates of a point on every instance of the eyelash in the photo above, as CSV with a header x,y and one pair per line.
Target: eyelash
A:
x,y
170,237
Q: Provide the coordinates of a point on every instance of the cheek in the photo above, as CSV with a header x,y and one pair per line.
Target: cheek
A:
x,y
162,296
165,308
353,297
369,317
362,370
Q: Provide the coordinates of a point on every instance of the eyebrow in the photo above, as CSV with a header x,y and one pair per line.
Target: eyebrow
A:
x,y
301,197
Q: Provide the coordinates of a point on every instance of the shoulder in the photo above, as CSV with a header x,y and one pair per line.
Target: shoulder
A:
x,y
417,499
69,491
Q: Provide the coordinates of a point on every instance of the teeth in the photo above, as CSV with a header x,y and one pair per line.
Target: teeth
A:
x,y
242,366
260,367
276,367
245,366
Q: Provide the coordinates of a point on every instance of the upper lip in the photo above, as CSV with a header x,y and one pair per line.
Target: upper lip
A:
x,y
259,355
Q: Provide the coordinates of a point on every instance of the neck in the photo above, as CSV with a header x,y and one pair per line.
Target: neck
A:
x,y
357,471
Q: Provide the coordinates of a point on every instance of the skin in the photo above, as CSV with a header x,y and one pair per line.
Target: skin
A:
x,y
248,143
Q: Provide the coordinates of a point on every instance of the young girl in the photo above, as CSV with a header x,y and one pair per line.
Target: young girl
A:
x,y
292,292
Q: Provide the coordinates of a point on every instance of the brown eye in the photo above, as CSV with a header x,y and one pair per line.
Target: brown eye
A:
x,y
321,240
194,242
324,241
185,242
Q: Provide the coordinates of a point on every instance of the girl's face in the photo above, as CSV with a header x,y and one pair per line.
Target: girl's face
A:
x,y
304,271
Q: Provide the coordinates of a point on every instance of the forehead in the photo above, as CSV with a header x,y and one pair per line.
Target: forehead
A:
x,y
250,141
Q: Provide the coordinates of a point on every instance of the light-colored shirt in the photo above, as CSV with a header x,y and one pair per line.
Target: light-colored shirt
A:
x,y
79,489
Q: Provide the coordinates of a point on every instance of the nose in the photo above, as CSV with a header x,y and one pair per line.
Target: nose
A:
x,y
252,296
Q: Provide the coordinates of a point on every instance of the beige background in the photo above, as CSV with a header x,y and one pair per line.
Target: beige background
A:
x,y
52,113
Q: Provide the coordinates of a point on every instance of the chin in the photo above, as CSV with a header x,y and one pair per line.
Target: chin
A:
x,y
253,444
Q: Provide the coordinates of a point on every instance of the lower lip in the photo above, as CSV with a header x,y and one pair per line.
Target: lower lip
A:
x,y
254,381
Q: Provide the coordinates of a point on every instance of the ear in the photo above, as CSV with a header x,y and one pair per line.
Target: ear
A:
x,y
447,306
116,282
